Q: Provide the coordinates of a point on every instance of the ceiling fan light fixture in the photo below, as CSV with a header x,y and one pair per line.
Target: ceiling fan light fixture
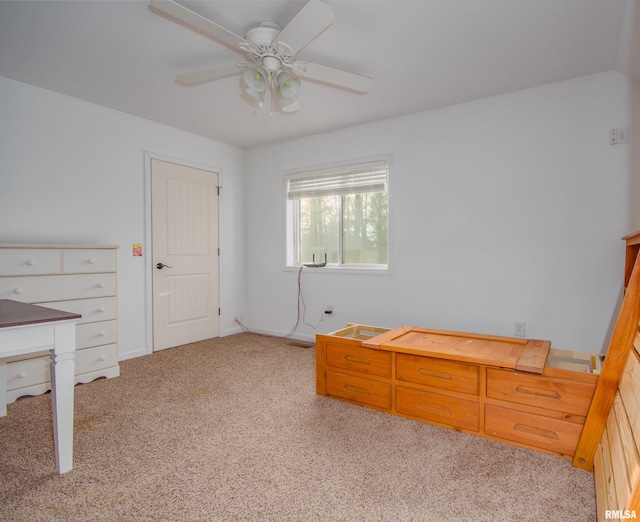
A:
x,y
256,78
288,86
257,95
285,101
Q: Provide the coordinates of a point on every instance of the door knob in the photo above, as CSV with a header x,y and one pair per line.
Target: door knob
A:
x,y
160,266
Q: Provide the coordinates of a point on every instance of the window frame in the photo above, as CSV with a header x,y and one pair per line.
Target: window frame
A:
x,y
291,217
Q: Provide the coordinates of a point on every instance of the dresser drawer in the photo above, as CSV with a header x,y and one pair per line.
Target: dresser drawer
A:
x,y
32,376
439,408
91,310
359,389
28,372
95,359
537,390
88,261
40,289
24,262
96,334
363,360
542,432
448,375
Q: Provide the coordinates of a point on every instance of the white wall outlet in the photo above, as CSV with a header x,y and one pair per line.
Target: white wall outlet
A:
x,y
618,136
328,310
519,328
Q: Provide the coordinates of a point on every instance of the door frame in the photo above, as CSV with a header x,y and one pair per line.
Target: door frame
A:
x,y
148,242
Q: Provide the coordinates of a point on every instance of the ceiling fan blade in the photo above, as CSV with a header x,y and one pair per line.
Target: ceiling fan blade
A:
x,y
332,76
210,74
294,106
309,22
195,22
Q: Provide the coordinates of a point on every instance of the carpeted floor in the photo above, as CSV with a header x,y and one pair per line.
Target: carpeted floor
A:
x,y
230,429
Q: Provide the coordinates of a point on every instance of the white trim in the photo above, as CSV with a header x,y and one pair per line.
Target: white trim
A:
x,y
351,270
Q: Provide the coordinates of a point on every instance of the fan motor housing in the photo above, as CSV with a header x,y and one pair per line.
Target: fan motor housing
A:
x,y
262,37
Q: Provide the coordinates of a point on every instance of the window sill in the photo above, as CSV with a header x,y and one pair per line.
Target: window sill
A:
x,y
333,269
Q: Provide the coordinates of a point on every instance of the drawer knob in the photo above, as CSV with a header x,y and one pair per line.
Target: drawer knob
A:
x,y
539,392
435,408
101,309
17,290
536,430
91,261
356,360
102,358
21,375
31,262
356,389
426,372
100,285
102,333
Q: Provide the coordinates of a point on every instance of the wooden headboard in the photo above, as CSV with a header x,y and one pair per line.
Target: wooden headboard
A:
x,y
610,441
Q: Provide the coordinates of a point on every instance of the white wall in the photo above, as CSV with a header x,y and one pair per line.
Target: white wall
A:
x,y
628,62
634,153
505,209
74,172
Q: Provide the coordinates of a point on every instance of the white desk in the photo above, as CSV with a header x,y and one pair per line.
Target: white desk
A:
x,y
26,328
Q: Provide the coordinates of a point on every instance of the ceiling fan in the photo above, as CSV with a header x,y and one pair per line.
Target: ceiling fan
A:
x,y
272,51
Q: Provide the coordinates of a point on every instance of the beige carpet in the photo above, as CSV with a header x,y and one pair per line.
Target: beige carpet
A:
x,y
231,429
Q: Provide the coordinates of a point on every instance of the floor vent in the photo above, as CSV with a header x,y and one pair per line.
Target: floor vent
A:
x,y
301,344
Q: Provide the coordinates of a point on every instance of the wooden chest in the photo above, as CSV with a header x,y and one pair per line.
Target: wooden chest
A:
x,y
514,390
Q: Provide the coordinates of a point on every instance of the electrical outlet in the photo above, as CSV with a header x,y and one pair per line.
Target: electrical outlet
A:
x,y
618,136
328,310
519,328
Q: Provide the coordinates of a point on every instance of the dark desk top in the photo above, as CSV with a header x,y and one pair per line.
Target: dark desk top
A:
x,y
15,313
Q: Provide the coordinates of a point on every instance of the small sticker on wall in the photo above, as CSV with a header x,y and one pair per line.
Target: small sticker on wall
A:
x,y
137,249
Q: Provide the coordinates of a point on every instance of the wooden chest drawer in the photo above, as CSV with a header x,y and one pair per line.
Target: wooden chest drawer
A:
x,y
359,389
542,432
40,289
91,310
26,262
537,390
88,261
448,375
435,407
96,334
363,360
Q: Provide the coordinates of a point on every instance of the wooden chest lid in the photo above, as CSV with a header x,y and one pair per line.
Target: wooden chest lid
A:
x,y
527,355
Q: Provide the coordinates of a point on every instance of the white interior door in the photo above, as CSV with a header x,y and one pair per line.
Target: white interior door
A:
x,y
184,214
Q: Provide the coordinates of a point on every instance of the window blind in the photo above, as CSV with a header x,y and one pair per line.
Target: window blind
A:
x,y
350,179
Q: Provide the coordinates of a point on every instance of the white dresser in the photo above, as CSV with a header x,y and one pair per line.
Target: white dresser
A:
x,y
73,278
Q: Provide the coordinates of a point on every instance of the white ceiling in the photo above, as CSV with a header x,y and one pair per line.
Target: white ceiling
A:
x,y
421,54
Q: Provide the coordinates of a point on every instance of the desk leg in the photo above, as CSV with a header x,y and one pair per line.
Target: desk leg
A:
x,y
62,380
3,387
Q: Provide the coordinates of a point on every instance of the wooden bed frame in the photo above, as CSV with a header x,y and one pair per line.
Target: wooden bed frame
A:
x,y
610,441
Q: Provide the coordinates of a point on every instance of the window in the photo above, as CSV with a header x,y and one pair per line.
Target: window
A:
x,y
341,212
